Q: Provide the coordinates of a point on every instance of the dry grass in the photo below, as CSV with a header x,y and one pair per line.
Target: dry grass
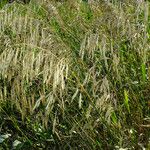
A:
x,y
75,74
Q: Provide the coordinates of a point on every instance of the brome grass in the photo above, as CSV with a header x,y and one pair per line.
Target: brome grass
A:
x,y
75,75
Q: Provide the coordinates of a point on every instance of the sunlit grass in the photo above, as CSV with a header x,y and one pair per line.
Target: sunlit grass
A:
x,y
74,75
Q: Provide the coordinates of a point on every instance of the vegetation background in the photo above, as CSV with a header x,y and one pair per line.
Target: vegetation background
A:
x,y
75,74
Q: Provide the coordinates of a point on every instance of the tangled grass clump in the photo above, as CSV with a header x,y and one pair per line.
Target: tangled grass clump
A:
x,y
74,75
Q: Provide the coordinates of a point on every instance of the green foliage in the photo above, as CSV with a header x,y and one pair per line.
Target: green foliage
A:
x,y
126,100
74,75
3,3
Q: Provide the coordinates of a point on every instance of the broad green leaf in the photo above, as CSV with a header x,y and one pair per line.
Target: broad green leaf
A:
x,y
126,100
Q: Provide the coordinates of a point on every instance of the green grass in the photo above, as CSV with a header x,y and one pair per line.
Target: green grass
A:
x,y
75,75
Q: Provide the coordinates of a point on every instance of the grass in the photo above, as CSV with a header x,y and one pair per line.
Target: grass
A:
x,y
75,75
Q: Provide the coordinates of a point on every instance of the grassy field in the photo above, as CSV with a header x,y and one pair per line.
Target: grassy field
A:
x,y
75,75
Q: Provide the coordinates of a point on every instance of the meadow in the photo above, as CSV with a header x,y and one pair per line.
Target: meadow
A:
x,y
75,74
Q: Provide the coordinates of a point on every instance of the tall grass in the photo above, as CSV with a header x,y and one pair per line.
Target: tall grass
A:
x,y
75,75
